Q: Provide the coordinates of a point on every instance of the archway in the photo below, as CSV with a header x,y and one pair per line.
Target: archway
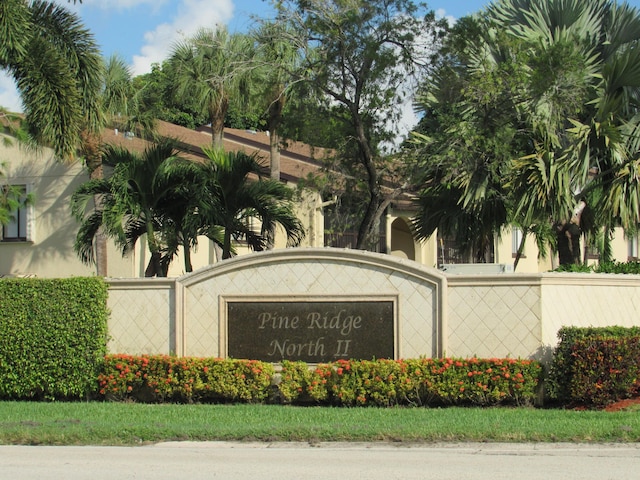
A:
x,y
402,243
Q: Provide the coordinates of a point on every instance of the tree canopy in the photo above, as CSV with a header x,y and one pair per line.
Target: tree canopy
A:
x,y
531,120
57,68
357,59
210,70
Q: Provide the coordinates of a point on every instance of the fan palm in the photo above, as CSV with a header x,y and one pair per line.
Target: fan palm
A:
x,y
277,57
591,151
572,109
211,70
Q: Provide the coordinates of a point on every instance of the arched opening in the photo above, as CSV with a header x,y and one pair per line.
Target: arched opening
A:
x,y
402,244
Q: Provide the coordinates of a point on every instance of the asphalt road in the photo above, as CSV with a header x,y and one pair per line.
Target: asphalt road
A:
x,y
289,461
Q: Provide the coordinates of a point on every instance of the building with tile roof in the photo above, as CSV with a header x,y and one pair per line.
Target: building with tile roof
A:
x,y
40,240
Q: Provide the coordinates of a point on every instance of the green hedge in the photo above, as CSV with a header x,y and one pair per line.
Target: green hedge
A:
x,y
52,337
629,268
574,360
605,370
162,378
428,382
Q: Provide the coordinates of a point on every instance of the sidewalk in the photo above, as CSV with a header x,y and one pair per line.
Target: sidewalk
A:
x,y
289,461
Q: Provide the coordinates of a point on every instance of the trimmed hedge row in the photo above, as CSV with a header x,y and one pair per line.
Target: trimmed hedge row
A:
x,y
605,370
162,378
428,382
52,337
594,365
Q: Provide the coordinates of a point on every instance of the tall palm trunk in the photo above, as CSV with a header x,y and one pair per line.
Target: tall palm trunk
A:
x,y
154,269
275,119
217,115
274,153
90,149
188,267
226,248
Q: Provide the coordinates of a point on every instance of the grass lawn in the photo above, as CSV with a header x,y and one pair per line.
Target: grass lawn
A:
x,y
96,423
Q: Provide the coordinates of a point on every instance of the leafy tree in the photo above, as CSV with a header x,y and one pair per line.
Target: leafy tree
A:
x,y
470,132
57,68
358,56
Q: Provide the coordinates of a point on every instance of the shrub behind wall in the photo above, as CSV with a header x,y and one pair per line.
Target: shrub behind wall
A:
x,y
52,337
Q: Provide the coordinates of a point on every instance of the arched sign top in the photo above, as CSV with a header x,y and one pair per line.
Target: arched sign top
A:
x,y
347,257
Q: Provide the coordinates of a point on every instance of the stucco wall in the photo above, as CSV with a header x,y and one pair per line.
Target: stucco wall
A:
x,y
49,253
290,273
494,316
506,315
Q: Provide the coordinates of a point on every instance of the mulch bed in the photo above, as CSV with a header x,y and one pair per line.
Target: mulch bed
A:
x,y
622,404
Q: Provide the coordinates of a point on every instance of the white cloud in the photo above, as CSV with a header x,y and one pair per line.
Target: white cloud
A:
x,y
191,15
121,5
442,13
9,97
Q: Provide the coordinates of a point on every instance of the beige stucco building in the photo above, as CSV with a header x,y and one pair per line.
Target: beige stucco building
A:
x,y
39,242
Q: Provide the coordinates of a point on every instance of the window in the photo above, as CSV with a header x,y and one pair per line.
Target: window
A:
x,y
633,247
18,228
516,239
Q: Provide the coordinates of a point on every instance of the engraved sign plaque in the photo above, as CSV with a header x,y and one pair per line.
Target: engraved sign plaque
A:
x,y
311,331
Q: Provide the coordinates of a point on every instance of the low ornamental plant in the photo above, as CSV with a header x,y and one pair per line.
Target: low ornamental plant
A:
x,y
563,367
428,382
605,370
163,378
382,383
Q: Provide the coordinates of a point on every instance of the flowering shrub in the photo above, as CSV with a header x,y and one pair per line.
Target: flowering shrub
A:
x,y
301,384
605,370
563,366
381,383
159,378
412,382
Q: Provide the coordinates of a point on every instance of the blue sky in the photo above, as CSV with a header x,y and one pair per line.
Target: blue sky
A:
x,y
143,31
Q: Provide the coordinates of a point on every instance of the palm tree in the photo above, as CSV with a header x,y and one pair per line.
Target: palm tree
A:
x,y
122,109
211,70
277,58
565,75
57,68
241,199
587,123
130,204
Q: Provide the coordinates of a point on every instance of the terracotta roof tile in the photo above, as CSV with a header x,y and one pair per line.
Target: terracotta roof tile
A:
x,y
297,160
